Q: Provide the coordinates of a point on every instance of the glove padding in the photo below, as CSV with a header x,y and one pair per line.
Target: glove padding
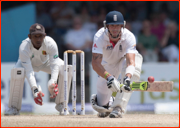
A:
x,y
37,94
113,84
126,87
53,88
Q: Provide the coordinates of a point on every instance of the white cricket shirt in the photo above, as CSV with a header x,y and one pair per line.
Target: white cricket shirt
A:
x,y
113,53
33,58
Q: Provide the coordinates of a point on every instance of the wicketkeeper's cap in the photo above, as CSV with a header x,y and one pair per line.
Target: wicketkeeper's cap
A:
x,y
37,29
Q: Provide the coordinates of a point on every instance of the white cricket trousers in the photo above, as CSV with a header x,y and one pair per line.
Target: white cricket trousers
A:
x,y
103,93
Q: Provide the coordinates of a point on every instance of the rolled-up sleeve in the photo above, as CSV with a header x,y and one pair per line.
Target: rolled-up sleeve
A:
x,y
53,57
97,45
131,44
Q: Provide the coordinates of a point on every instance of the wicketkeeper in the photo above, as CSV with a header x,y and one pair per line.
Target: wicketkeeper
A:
x,y
114,53
37,53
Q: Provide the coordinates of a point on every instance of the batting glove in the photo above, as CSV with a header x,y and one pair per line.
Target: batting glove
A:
x,y
113,84
126,86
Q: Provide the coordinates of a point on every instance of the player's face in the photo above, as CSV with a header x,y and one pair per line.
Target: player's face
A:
x,y
37,40
115,29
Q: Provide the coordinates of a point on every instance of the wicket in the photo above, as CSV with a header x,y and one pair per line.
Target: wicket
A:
x,y
74,82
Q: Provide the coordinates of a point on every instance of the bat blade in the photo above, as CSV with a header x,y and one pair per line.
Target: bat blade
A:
x,y
157,86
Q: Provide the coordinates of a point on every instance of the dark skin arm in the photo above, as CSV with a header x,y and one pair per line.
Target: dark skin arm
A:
x,y
130,60
96,64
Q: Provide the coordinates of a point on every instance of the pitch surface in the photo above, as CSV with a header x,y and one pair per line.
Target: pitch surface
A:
x,y
129,120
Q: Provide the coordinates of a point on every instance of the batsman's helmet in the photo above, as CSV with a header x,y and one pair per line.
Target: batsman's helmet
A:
x,y
114,17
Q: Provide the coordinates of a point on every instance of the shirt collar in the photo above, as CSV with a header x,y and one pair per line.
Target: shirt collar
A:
x,y
34,49
106,37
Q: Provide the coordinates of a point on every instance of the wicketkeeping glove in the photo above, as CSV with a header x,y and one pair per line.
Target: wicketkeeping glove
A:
x,y
37,94
53,88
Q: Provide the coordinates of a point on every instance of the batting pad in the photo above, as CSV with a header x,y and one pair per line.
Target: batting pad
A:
x,y
60,96
122,99
138,65
16,87
137,72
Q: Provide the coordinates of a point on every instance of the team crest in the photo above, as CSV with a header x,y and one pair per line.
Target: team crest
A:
x,y
38,27
115,17
44,53
120,48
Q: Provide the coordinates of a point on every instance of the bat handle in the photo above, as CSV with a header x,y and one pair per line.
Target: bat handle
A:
x,y
127,85
121,85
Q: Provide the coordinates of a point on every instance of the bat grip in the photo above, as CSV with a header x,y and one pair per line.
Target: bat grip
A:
x,y
121,85
127,87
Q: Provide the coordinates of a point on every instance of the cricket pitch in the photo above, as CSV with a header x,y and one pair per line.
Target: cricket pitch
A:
x,y
128,120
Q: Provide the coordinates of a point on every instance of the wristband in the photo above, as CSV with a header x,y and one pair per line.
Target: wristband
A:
x,y
106,75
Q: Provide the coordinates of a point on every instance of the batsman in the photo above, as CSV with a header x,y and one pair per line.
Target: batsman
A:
x,y
37,53
114,54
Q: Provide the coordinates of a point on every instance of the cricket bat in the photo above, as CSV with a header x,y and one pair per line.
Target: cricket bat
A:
x,y
156,86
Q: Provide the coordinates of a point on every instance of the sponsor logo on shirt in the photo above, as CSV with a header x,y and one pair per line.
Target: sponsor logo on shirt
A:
x,y
55,56
44,52
32,56
109,47
134,46
95,46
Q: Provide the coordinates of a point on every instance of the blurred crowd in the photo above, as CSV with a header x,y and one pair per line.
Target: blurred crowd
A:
x,y
73,27
73,24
